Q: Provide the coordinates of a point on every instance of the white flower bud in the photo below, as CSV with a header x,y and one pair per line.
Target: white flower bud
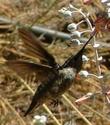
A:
x,y
65,12
83,73
100,58
108,12
89,94
72,27
76,33
71,6
76,41
85,58
103,1
100,77
96,45
62,10
108,4
40,120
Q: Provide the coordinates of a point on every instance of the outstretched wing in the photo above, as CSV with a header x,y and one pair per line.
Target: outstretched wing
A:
x,y
25,69
34,48
75,61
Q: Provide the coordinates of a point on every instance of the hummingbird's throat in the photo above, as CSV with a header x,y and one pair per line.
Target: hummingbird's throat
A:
x,y
68,73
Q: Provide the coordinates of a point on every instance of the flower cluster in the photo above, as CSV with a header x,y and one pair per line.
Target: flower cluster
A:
x,y
39,120
73,28
76,34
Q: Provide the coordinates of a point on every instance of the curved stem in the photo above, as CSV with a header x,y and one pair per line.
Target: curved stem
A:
x,y
94,41
70,103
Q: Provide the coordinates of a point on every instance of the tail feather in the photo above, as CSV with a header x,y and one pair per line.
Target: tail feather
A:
x,y
30,109
34,104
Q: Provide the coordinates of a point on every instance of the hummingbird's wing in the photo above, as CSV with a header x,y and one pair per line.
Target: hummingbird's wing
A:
x,y
75,61
26,69
42,95
34,48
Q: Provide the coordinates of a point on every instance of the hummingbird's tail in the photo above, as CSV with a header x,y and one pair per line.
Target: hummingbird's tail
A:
x,y
34,104
30,109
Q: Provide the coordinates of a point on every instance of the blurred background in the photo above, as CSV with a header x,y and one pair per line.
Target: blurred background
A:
x,y
15,94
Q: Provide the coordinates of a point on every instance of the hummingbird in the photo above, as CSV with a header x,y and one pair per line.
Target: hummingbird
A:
x,y
55,79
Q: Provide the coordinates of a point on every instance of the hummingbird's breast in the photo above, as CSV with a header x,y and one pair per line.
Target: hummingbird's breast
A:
x,y
64,81
67,73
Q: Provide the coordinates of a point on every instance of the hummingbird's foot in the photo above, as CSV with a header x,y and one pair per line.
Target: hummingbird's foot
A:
x,y
56,102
